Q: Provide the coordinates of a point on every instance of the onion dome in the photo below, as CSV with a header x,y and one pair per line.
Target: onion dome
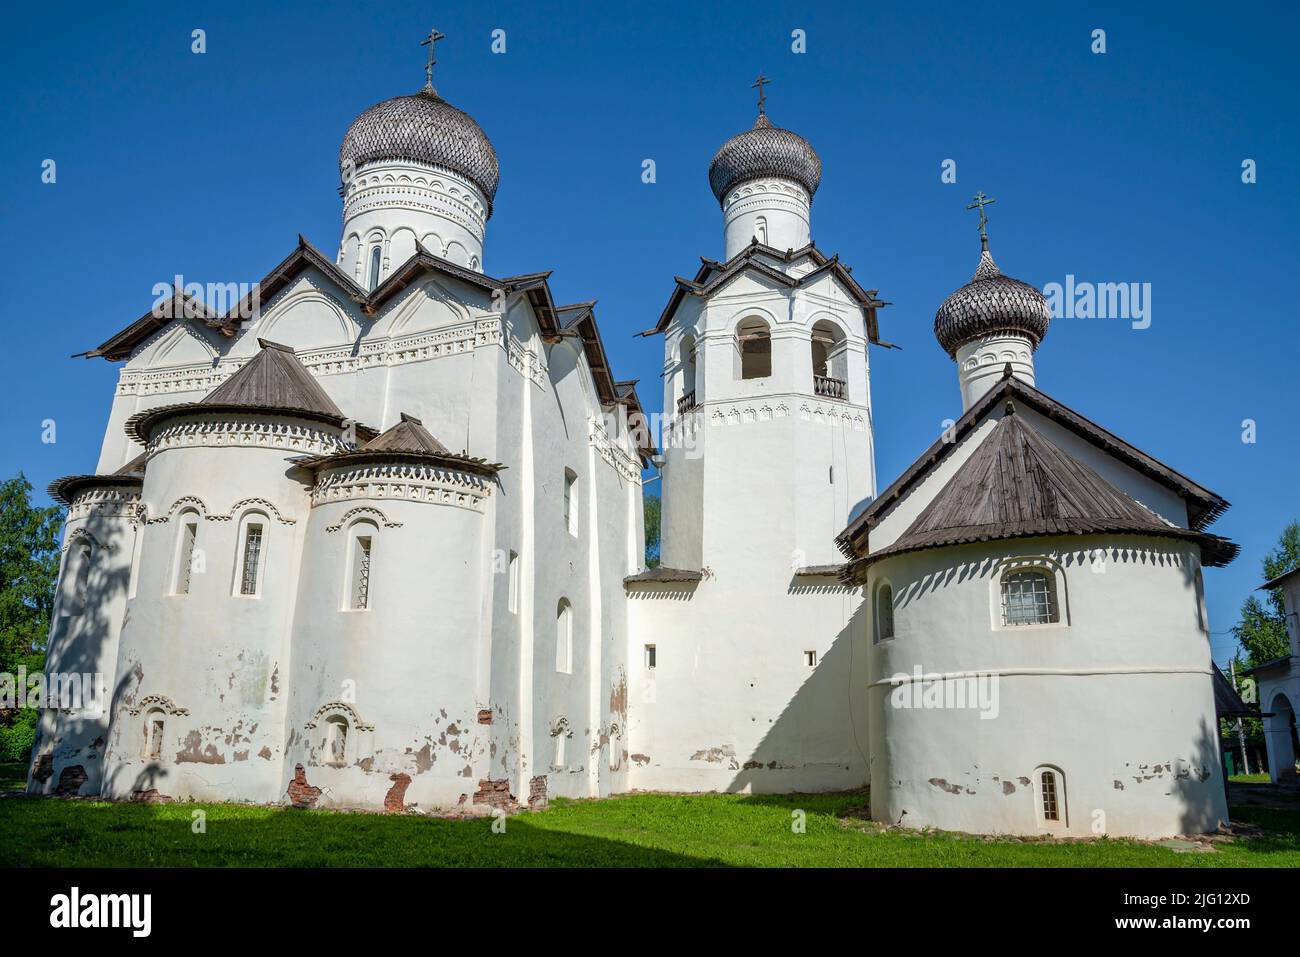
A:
x,y
989,304
765,150
425,128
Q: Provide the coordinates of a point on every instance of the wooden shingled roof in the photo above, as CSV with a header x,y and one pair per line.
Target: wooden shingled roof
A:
x,y
407,441
408,435
63,490
1203,505
272,381
1018,484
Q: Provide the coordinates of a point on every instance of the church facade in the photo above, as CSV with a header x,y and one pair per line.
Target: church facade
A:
x,y
373,537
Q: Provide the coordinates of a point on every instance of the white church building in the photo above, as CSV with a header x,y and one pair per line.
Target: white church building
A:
x,y
374,538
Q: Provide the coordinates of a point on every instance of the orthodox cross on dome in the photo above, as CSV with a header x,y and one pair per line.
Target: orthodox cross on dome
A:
x,y
980,202
762,97
429,41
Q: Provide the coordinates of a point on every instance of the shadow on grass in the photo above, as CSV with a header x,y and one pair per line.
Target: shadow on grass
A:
x,y
55,833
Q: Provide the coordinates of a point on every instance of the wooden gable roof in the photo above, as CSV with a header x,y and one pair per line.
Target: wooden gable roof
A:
x,y
713,275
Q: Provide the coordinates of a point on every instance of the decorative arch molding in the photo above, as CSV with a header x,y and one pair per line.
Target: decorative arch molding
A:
x,y
192,501
305,295
362,510
179,332
82,535
561,727
251,505
339,708
160,702
430,291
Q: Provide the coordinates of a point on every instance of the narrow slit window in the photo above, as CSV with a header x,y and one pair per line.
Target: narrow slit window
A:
x,y
336,740
361,558
376,262
154,731
810,659
512,583
884,613
564,638
248,582
651,657
571,501
189,535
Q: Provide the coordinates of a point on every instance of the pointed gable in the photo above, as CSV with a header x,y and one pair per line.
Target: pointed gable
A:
x,y
1018,483
274,379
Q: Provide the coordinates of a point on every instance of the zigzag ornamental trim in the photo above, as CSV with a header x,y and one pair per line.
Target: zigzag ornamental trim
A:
x,y
148,702
362,510
343,708
105,503
340,360
404,482
81,533
176,506
263,433
253,503
609,450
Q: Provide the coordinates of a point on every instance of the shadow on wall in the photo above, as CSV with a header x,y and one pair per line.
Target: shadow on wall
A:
x,y
798,739
67,741
1195,795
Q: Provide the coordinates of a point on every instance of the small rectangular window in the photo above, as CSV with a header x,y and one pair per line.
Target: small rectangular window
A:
x,y
252,559
361,572
810,659
185,558
512,579
650,656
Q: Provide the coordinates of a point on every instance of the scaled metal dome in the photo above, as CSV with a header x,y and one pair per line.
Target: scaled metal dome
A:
x,y
991,303
427,129
765,150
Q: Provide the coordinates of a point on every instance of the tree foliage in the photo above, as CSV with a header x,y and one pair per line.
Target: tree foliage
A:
x,y
653,512
1261,628
29,568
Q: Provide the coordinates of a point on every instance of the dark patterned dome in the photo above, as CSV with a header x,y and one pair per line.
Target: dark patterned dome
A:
x,y
765,150
426,128
991,303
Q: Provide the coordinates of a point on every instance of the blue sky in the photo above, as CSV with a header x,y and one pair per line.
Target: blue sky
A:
x,y
1122,167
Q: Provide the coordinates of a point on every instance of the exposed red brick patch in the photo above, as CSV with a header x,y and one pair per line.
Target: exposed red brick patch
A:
x,y
302,794
71,779
151,796
395,799
485,716
44,768
495,793
537,798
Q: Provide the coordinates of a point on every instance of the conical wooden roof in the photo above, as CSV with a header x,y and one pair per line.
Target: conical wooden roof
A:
x,y
1019,483
274,379
408,435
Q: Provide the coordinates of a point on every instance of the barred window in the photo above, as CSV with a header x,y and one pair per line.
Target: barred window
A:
x,y
1029,598
1047,785
252,559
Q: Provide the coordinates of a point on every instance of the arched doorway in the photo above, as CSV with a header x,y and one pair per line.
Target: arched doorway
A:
x,y
1280,732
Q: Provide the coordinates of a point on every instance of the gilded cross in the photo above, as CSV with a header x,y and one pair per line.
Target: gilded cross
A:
x,y
429,41
762,98
980,202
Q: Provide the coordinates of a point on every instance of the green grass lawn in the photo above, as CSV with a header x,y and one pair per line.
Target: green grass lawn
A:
x,y
637,831
1250,778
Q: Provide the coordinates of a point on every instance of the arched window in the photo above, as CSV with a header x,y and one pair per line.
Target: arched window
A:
x,y
1049,785
754,344
760,229
829,360
189,558
1029,597
336,740
251,559
376,263
360,562
560,733
564,637
76,578
687,356
884,612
